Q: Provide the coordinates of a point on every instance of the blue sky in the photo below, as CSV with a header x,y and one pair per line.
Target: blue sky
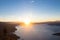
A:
x,y
35,10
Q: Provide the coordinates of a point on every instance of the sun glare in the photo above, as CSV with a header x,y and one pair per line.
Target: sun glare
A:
x,y
27,21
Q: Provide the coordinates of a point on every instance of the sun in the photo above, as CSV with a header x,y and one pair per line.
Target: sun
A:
x,y
27,21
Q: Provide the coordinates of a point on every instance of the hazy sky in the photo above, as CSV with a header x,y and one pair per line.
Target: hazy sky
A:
x,y
35,10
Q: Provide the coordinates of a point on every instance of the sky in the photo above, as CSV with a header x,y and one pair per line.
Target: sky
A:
x,y
34,10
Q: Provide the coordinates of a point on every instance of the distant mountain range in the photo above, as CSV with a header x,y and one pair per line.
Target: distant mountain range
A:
x,y
18,23
57,23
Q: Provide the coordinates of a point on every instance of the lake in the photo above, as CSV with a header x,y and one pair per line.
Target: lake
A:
x,y
38,32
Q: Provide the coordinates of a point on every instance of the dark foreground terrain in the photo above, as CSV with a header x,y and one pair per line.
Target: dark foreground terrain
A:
x,y
7,31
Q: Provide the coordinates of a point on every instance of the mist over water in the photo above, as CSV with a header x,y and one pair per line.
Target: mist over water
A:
x,y
38,32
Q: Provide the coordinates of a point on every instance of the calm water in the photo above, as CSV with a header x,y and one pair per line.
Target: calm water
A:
x,y
38,32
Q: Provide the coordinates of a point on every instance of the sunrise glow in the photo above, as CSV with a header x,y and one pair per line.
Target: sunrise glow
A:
x,y
27,21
